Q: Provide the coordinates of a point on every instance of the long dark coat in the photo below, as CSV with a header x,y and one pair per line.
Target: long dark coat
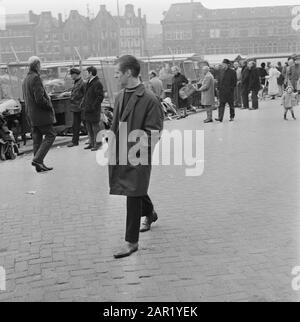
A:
x,y
143,112
254,80
92,101
77,95
178,82
226,84
38,104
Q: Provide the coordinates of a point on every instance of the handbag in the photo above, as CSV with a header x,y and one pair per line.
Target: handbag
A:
x,y
186,91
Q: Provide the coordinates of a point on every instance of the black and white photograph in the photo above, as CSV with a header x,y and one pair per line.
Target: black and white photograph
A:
x,y
149,154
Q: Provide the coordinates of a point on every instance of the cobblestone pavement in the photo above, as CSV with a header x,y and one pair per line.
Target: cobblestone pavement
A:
x,y
229,235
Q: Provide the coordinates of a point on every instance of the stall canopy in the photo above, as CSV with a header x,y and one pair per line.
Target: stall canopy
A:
x,y
217,59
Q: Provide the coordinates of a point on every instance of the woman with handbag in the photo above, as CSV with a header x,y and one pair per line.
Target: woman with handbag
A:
x,y
178,82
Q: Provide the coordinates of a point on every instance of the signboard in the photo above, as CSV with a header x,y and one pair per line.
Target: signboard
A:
x,y
296,18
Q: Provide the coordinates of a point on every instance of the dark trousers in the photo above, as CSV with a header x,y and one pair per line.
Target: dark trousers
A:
x,y
223,103
245,97
93,129
254,98
238,95
137,207
43,139
76,127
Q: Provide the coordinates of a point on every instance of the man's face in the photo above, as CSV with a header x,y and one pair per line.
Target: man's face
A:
x,y
74,76
236,65
123,78
291,62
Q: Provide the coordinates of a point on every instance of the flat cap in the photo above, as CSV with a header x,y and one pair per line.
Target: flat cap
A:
x,y
226,61
75,71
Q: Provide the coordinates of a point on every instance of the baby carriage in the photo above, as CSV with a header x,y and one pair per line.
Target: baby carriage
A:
x,y
169,109
8,147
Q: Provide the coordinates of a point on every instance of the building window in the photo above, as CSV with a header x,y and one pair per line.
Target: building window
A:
x,y
215,33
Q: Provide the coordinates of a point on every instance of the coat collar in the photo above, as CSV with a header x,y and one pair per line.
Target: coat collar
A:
x,y
140,91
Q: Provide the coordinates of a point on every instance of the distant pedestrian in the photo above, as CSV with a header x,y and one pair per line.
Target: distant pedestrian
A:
x,y
292,74
273,89
289,100
262,75
40,114
208,93
245,85
77,96
238,88
254,84
136,109
91,104
226,85
155,85
178,82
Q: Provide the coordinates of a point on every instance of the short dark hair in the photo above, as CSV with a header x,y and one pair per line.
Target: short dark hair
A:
x,y
92,70
128,62
263,65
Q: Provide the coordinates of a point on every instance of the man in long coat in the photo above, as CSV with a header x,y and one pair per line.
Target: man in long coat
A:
x,y
208,93
136,109
226,85
178,82
77,95
40,114
91,105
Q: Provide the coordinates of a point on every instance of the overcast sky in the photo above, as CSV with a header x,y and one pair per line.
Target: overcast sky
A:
x,y
152,8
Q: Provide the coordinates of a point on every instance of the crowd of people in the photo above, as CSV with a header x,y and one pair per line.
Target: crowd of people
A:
x,y
235,84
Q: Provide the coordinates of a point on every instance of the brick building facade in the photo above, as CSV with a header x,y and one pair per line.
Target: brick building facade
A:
x,y
190,27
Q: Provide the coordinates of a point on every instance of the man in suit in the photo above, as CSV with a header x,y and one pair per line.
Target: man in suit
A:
x,y
136,109
91,104
226,85
77,95
40,114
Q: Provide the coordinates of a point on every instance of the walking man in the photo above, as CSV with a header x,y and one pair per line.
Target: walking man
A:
x,y
155,85
91,104
245,85
40,114
254,84
76,100
136,109
238,88
226,84
208,93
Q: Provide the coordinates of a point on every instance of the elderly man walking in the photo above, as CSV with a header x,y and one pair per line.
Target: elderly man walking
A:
x,y
208,93
136,110
226,84
40,114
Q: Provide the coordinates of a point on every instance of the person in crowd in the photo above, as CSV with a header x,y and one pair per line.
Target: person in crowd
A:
x,y
91,105
238,88
208,93
289,100
292,74
178,82
273,89
284,74
254,84
245,85
226,85
140,109
155,85
40,114
280,80
77,95
262,75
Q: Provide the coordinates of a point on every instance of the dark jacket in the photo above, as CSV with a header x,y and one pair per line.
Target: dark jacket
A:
x,y
178,82
254,80
38,105
77,95
143,112
262,74
245,78
226,84
92,100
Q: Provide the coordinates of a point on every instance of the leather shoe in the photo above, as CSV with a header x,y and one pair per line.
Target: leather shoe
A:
x,y
71,145
127,250
146,226
39,167
89,147
208,121
231,120
218,120
48,168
